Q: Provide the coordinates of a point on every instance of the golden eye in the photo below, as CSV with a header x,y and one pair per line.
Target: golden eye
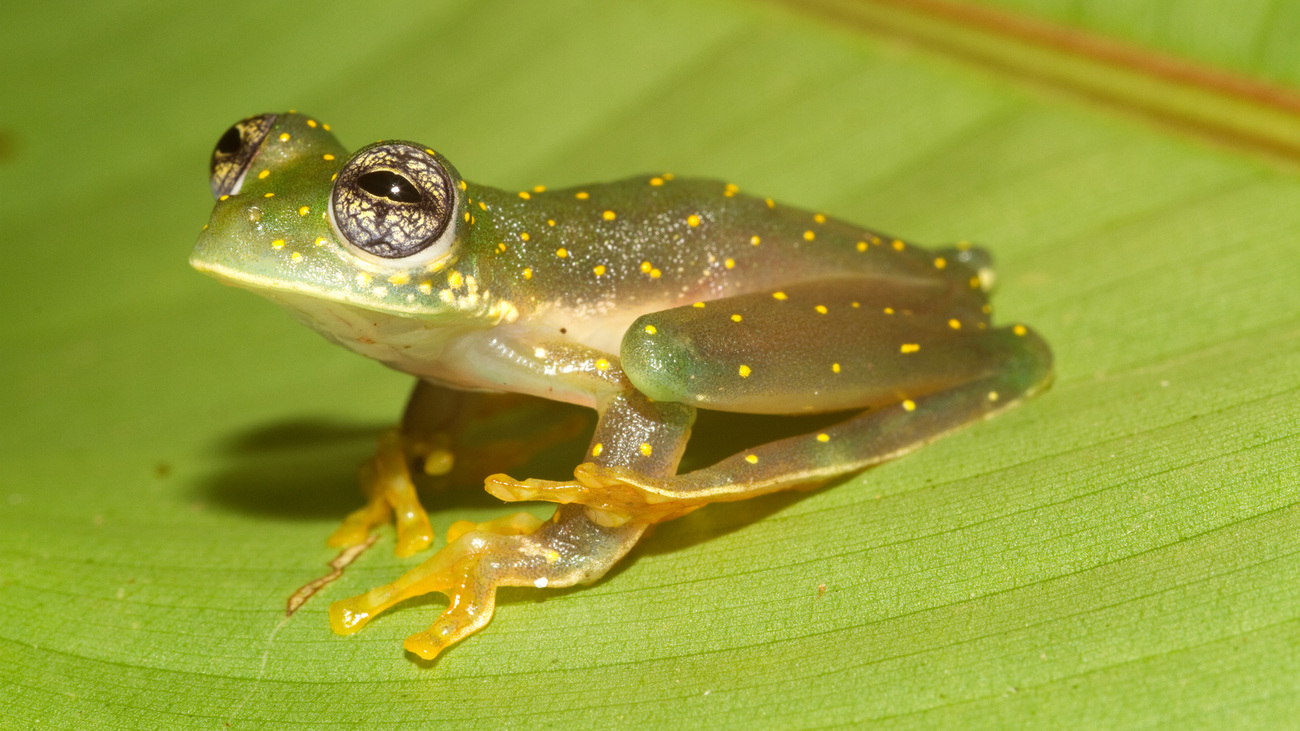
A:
x,y
393,200
234,153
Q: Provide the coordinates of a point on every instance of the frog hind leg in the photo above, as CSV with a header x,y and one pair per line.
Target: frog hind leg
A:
x,y
918,381
577,545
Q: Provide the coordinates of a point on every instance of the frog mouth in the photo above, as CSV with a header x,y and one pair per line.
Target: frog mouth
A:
x,y
287,291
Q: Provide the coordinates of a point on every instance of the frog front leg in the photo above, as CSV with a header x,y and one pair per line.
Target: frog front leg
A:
x,y
577,545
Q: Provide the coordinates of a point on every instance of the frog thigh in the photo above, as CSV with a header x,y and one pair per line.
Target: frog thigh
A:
x,y
816,346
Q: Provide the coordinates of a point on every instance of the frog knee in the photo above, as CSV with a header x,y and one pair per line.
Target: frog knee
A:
x,y
659,363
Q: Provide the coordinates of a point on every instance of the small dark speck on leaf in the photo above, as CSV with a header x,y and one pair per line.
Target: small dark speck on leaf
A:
x,y
162,469
8,145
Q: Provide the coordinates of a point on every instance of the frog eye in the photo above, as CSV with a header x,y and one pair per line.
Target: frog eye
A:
x,y
235,152
393,201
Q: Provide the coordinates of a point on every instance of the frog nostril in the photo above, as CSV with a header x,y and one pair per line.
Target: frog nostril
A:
x,y
389,185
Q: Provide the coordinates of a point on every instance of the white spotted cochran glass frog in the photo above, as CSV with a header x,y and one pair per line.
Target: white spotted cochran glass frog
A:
x,y
645,299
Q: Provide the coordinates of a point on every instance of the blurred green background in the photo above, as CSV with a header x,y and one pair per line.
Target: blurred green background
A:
x,y
1120,552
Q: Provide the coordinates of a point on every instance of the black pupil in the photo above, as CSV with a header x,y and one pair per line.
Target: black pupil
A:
x,y
389,185
229,142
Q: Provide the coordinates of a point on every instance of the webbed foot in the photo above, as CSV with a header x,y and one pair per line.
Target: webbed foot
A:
x,y
519,550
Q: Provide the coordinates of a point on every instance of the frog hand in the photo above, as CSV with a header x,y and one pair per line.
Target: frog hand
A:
x,y
386,481
613,495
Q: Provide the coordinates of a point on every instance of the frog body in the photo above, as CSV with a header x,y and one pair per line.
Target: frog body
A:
x,y
644,299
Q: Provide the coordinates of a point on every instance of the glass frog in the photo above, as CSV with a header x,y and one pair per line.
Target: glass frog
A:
x,y
645,299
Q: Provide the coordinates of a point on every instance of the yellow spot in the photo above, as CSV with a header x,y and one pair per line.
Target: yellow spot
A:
x,y
699,305
399,278
729,263
771,203
955,324
463,186
269,195
751,458
482,206
311,123
524,194
835,367
821,309
608,215
454,279
304,211
668,176
898,245
809,235
262,175
819,218
650,329
334,177
224,198
755,240
656,181
823,437
654,273
909,405
277,244
528,274
646,449
426,287
524,236
974,282
466,216
320,240
431,152
856,305
550,222
730,189
745,371
889,310
862,246
552,556
539,188
602,364
581,195
940,262
735,318
987,308
778,295
284,137
327,156
599,270
363,279
1019,330
646,267
692,220
562,252
295,256
909,348
597,449
326,126
993,395
501,247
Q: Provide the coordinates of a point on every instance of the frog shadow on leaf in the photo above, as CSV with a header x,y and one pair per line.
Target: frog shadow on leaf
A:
x,y
306,469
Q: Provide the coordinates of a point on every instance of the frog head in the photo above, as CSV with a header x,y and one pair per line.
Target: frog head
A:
x,y
337,238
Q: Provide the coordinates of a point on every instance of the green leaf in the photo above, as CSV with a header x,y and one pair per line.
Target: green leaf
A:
x,y
1119,552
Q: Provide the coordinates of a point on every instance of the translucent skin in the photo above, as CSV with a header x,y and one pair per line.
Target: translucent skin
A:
x,y
644,299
